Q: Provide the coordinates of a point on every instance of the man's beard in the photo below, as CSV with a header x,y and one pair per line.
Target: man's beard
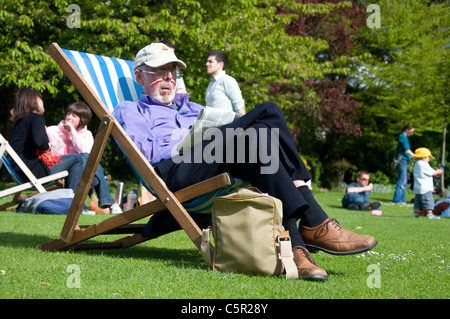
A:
x,y
165,98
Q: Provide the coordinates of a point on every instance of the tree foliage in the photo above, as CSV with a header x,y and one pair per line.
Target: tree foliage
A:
x,y
405,79
250,31
325,117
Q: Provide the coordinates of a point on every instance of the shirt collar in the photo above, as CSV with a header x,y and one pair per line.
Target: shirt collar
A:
x,y
218,76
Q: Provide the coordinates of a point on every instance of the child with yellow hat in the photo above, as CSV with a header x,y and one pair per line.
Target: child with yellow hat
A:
x,y
423,182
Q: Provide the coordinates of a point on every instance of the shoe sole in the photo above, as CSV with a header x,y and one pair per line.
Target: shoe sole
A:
x,y
314,249
314,278
371,207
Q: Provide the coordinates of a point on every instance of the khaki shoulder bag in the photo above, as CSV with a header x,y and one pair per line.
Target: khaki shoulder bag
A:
x,y
248,235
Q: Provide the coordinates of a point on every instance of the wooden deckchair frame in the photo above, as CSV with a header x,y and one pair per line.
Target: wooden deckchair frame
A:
x,y
72,235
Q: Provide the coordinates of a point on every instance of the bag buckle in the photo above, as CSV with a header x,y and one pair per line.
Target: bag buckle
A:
x,y
283,237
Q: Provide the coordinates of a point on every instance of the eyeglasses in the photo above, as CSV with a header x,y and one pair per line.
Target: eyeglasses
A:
x,y
163,74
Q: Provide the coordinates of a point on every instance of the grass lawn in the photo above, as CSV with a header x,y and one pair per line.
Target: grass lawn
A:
x,y
410,261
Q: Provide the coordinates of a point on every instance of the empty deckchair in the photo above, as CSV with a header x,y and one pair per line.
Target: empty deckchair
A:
x,y
104,82
40,184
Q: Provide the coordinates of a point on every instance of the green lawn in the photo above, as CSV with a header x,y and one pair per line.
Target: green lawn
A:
x,y
410,261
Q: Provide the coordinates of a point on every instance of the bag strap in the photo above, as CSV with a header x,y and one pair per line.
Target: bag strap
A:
x,y
285,255
204,247
399,159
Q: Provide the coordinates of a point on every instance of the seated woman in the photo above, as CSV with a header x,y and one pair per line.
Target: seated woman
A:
x,y
71,136
30,141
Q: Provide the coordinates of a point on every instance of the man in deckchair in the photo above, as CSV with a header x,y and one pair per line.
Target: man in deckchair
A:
x,y
159,121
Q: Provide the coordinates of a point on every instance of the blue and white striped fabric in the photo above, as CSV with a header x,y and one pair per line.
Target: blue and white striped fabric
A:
x,y
113,81
203,204
16,178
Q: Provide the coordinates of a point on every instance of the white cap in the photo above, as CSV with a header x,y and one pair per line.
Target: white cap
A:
x,y
156,55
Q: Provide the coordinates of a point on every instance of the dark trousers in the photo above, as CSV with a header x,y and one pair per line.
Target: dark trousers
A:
x,y
261,119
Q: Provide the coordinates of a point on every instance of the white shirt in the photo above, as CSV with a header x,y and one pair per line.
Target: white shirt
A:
x,y
423,177
223,93
180,84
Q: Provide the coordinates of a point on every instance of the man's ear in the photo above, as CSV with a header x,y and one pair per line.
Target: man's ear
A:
x,y
138,76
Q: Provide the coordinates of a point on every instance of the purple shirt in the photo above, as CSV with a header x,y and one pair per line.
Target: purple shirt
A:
x,y
156,128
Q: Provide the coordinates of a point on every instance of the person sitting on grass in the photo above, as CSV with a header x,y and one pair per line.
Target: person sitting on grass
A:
x,y
357,194
442,207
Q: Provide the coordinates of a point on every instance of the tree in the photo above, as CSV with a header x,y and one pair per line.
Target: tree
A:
x,y
406,79
326,113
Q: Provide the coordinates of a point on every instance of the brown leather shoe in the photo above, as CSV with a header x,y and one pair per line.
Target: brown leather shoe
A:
x,y
307,267
332,238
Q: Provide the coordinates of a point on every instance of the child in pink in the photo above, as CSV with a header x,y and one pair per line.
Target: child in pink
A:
x,y
71,136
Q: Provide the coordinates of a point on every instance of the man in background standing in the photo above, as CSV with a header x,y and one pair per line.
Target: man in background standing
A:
x,y
223,91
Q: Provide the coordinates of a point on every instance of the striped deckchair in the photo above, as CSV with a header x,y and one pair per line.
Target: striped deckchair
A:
x,y
104,82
